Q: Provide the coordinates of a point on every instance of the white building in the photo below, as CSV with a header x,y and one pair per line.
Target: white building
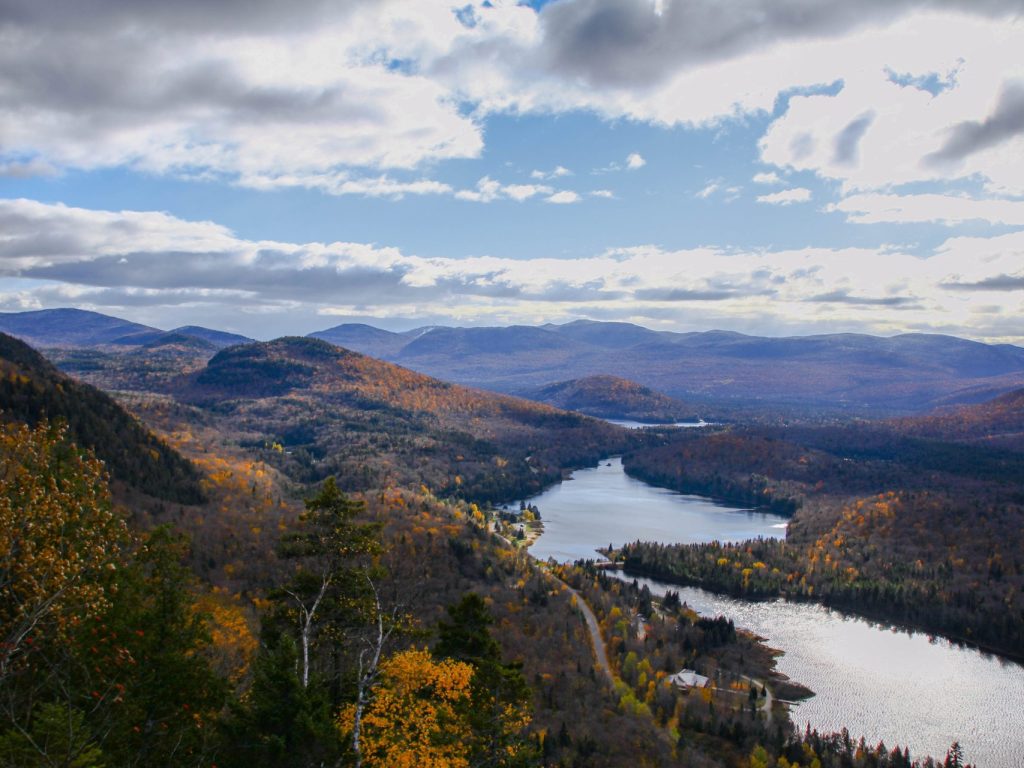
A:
x,y
687,678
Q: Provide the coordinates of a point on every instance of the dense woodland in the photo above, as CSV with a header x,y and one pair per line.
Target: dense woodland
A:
x,y
32,390
901,520
314,410
300,611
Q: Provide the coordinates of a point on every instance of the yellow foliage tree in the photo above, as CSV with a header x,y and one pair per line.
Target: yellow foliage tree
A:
x,y
58,536
415,719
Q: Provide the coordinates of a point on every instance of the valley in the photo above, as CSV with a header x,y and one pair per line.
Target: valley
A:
x,y
912,521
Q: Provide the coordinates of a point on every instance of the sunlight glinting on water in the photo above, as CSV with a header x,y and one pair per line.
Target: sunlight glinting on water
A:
x,y
882,683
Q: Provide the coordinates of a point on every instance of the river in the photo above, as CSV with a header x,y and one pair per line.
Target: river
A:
x,y
884,684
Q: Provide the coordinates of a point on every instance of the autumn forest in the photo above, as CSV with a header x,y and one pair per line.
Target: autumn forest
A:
x,y
288,553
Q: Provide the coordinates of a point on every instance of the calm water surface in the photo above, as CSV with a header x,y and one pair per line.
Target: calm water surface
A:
x,y
881,683
643,424
604,506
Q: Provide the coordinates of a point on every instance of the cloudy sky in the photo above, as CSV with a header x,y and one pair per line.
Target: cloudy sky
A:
x,y
766,166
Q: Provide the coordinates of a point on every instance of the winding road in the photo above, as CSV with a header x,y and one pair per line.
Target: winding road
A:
x,y
600,652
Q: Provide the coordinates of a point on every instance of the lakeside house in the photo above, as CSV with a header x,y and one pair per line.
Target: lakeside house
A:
x,y
687,678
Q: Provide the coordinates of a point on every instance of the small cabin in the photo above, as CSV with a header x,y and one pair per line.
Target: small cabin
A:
x,y
687,678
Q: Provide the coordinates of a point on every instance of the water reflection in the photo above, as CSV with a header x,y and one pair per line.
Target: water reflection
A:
x,y
628,424
604,505
877,681
884,683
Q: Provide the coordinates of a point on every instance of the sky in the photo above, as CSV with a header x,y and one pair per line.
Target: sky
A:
x,y
774,167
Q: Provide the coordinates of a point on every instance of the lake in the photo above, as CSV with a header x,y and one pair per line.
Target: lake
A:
x,y
629,424
603,506
884,684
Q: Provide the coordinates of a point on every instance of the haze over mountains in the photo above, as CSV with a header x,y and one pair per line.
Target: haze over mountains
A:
x,y
68,327
849,371
853,372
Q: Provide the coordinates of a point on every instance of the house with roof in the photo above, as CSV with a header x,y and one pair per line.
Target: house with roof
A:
x,y
687,678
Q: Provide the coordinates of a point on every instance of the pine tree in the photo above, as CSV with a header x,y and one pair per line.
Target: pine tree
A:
x,y
330,588
501,701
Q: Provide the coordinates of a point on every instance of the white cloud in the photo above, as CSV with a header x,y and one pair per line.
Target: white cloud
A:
x,y
267,98
879,131
635,160
869,208
786,196
343,184
520,192
161,266
766,178
605,193
488,190
563,197
556,173
709,189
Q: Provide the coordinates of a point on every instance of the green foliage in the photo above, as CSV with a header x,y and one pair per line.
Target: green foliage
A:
x,y
56,735
330,588
104,656
165,696
280,723
499,706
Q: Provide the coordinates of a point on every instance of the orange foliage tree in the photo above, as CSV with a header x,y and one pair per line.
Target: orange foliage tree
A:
x,y
416,718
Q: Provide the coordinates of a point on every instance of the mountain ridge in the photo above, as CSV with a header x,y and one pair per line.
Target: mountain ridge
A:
x,y
828,373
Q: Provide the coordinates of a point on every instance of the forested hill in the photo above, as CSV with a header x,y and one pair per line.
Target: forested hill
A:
x,y
612,397
337,412
918,521
997,422
32,390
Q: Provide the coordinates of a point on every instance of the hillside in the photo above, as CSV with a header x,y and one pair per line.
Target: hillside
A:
x,y
31,389
334,411
611,397
997,422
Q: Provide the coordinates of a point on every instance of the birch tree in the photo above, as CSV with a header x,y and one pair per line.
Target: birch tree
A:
x,y
328,588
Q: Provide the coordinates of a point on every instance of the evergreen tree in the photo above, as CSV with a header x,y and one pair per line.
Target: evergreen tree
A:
x,y
281,723
330,589
501,701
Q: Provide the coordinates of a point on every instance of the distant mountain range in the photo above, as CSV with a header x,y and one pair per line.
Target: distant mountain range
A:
x,y
853,373
80,328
